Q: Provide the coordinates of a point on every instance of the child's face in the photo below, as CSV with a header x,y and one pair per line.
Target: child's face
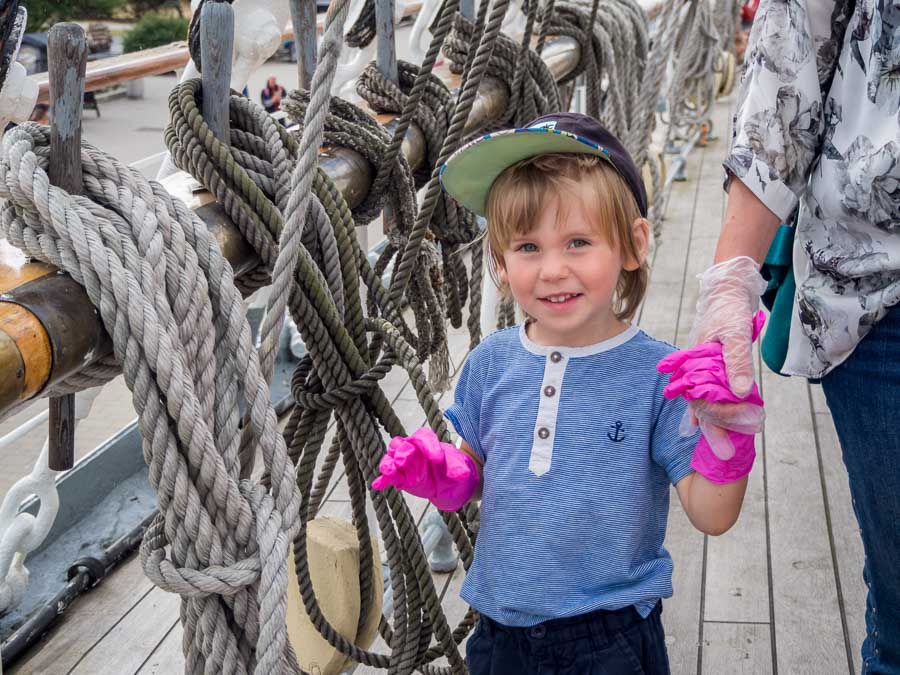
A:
x,y
563,274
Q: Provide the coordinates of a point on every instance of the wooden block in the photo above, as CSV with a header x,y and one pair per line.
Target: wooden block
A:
x,y
334,572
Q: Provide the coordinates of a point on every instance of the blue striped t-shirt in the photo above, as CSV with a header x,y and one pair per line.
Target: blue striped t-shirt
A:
x,y
579,448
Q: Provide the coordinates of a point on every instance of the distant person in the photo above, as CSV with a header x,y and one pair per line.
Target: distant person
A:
x,y
272,94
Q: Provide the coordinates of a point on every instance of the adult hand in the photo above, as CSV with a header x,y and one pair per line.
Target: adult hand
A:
x,y
729,297
698,375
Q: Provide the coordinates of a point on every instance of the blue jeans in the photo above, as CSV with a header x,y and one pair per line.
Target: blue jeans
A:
x,y
863,394
600,643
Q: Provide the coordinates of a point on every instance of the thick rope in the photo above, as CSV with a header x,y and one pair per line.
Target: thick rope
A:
x,y
690,93
453,226
349,127
167,299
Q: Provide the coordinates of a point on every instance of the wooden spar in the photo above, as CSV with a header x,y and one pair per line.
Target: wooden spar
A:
x,y
76,323
216,47
386,62
67,56
386,57
303,15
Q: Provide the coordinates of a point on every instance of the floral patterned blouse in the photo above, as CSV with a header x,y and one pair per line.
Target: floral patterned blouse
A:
x,y
818,125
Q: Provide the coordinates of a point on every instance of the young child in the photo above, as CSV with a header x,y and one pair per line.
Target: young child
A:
x,y
563,420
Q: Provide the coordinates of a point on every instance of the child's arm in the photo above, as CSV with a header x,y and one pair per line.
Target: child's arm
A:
x,y
466,448
711,508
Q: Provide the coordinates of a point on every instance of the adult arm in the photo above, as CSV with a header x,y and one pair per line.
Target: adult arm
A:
x,y
779,130
748,228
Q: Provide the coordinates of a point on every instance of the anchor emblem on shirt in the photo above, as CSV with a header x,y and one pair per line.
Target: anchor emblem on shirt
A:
x,y
617,434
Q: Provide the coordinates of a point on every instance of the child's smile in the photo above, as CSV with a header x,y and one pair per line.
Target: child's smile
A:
x,y
563,273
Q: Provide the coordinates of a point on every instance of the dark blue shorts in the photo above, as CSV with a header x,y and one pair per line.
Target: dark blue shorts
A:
x,y
603,642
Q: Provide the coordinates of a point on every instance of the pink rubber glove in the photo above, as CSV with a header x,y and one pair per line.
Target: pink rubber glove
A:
x,y
698,374
729,297
425,467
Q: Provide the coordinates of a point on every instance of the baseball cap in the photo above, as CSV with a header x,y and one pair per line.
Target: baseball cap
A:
x,y
471,171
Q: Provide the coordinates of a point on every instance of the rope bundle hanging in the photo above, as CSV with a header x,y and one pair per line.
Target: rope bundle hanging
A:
x,y
614,52
167,299
651,86
453,226
349,127
363,30
476,69
691,91
533,89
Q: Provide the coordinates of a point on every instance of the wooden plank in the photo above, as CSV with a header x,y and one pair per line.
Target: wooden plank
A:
x,y
737,569
737,649
87,622
126,647
808,633
848,548
167,658
820,405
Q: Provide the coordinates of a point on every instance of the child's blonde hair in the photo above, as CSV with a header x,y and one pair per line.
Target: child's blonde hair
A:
x,y
524,189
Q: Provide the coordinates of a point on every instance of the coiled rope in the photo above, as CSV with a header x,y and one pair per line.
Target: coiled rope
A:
x,y
167,298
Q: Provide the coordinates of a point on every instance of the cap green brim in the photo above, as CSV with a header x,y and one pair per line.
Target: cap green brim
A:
x,y
471,171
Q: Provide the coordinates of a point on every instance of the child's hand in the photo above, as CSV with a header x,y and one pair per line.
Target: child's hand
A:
x,y
725,451
425,467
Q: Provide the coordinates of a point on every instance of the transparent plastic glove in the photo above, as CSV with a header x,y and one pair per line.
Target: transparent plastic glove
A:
x,y
730,414
729,296
425,467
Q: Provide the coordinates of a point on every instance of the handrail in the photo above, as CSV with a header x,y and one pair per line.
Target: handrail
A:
x,y
156,61
48,328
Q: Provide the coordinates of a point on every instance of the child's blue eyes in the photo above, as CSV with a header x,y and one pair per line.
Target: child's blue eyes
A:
x,y
531,248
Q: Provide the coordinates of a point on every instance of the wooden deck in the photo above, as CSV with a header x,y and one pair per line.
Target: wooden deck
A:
x,y
782,592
